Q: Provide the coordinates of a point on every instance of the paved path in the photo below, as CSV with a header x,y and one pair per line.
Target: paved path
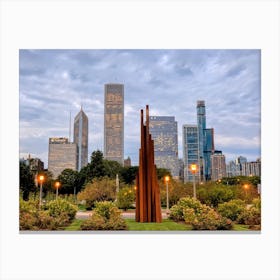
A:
x,y
82,215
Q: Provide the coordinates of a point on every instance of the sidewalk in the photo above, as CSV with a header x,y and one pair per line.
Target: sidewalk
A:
x,y
82,215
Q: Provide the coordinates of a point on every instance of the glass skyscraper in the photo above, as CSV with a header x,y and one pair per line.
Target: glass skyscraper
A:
x,y
114,122
205,140
190,151
81,138
198,145
164,132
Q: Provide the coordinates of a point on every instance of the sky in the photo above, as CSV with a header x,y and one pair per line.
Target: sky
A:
x,y
53,83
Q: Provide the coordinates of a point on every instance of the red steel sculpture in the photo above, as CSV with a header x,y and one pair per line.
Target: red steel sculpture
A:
x,y
148,207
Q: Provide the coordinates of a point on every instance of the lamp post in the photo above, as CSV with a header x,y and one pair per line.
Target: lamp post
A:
x,y
57,185
117,186
41,179
193,170
166,179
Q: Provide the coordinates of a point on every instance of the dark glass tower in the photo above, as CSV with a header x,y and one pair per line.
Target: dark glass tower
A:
x,y
165,135
81,138
190,151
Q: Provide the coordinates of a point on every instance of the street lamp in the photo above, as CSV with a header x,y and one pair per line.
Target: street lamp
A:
x,y
167,179
246,188
41,180
193,168
57,185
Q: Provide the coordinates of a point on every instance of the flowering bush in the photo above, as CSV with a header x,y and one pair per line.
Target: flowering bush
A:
x,y
58,215
177,210
206,218
59,207
125,198
232,209
200,216
105,216
250,216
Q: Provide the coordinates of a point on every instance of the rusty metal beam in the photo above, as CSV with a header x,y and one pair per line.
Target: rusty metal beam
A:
x,y
148,208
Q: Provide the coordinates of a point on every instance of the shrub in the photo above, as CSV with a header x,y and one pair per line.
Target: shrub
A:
x,y
177,211
206,218
125,198
58,214
59,207
98,190
105,216
257,203
250,216
219,195
232,209
27,221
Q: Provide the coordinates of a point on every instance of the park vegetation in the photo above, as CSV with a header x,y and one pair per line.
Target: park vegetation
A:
x,y
219,205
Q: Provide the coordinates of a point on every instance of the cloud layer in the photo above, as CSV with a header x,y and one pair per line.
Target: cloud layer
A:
x,y
55,82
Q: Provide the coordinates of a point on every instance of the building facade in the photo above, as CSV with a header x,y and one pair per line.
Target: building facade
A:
x,y
190,151
127,162
62,155
164,132
252,168
218,166
208,150
81,138
114,122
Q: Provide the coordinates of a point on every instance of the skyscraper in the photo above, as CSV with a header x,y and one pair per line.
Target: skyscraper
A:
x,y
62,155
218,166
114,122
190,151
81,138
209,149
165,135
206,141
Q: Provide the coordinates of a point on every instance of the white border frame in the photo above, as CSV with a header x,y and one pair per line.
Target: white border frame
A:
x,y
139,24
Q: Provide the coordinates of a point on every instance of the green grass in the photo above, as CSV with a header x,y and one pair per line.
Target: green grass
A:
x,y
75,225
165,225
239,227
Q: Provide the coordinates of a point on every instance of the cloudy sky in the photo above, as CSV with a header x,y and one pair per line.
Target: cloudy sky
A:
x,y
54,83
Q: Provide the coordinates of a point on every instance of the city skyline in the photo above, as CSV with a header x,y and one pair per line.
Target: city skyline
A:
x,y
55,82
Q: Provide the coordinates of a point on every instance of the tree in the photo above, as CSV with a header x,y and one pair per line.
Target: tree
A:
x,y
161,172
126,197
96,166
112,168
128,174
26,181
69,180
99,189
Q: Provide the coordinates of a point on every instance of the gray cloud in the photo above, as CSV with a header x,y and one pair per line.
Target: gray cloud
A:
x,y
55,82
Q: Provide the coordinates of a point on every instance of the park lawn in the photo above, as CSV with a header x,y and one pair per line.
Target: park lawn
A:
x,y
75,225
239,227
165,225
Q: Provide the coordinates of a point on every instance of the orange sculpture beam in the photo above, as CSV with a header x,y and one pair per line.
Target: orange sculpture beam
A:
x,y
148,208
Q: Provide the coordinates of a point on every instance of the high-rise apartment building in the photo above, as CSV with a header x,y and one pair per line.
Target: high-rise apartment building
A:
x,y
164,132
114,122
62,155
81,138
218,166
190,151
252,168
